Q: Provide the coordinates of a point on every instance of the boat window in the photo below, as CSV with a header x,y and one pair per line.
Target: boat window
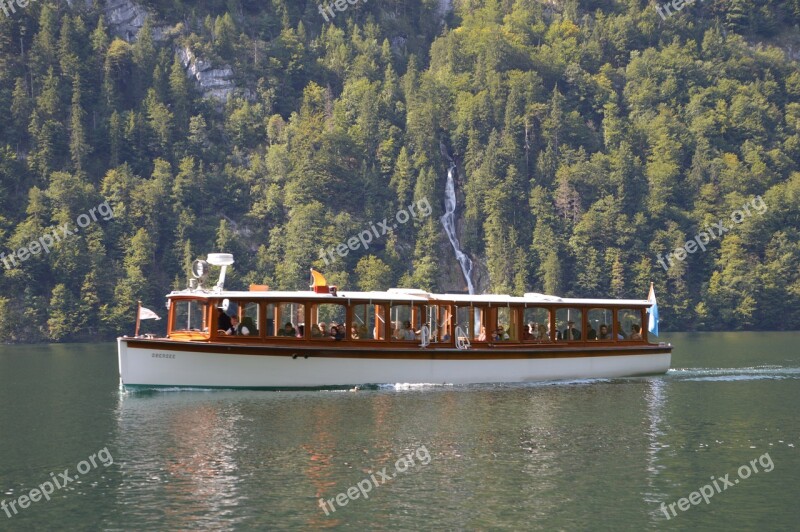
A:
x,y
246,311
431,319
536,325
289,320
600,324
629,322
463,320
382,323
326,316
189,315
507,325
369,322
569,322
405,321
481,328
442,332
270,314
437,318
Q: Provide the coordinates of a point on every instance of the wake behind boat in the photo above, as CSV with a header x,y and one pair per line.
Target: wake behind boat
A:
x,y
329,338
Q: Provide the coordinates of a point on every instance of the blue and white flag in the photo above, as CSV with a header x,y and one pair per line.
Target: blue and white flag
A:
x,y
652,325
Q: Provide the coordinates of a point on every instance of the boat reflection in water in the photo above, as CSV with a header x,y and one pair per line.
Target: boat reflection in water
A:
x,y
181,456
232,458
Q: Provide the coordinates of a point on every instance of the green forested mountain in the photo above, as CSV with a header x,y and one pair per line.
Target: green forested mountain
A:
x,y
591,138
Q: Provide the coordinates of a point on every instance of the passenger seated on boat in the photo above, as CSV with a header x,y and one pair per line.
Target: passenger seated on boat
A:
x,y
236,329
635,334
592,334
571,333
315,331
301,330
482,335
543,332
604,332
620,332
408,332
527,332
323,328
288,330
500,334
337,332
354,332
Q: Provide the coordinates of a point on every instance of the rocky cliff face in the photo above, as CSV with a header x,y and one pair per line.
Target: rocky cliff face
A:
x,y
214,83
126,18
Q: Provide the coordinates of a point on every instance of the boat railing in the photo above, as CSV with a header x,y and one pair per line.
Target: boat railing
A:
x,y
424,335
462,340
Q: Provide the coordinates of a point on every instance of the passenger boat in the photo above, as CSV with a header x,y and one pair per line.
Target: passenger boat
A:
x,y
283,340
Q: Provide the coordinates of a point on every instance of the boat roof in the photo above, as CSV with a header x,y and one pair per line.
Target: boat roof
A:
x,y
406,295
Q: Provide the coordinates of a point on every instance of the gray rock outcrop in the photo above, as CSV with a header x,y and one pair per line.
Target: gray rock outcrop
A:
x,y
125,18
214,83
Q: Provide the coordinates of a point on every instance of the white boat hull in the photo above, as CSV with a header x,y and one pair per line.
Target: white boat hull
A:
x,y
158,366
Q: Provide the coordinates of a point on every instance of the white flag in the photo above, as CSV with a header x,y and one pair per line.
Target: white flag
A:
x,y
147,314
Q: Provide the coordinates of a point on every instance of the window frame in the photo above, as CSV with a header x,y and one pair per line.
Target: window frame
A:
x,y
580,322
445,323
417,310
637,311
485,321
312,311
205,319
610,326
548,331
260,322
278,319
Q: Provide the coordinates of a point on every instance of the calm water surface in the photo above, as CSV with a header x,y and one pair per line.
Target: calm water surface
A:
x,y
579,455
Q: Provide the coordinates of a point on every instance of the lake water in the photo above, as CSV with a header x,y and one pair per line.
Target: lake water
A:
x,y
592,454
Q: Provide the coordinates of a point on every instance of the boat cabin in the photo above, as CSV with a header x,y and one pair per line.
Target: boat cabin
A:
x,y
402,316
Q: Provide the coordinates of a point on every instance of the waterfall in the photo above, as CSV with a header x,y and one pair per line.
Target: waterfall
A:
x,y
449,223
